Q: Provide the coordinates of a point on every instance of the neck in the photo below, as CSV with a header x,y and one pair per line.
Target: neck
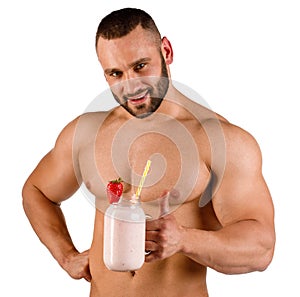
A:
x,y
173,103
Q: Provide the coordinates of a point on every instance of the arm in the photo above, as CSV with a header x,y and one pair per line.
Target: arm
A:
x,y
53,181
244,208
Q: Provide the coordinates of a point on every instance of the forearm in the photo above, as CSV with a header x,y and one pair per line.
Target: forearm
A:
x,y
239,248
49,224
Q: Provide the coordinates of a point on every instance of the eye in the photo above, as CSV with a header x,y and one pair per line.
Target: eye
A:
x,y
139,66
115,74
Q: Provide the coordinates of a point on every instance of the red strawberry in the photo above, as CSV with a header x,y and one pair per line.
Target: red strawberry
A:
x,y
114,190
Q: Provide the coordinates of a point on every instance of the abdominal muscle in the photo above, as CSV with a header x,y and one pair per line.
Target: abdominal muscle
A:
x,y
176,276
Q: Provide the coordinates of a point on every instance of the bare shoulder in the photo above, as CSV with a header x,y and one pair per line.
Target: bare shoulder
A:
x,y
235,142
241,146
225,143
242,191
57,175
91,121
232,154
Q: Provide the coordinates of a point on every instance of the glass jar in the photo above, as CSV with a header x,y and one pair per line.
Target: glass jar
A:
x,y
124,236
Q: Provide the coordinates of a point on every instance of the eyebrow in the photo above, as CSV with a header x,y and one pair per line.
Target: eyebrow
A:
x,y
139,61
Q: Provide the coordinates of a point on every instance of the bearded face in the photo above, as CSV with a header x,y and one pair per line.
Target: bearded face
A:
x,y
148,93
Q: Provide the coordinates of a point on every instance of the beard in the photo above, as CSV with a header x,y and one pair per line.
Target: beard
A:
x,y
156,88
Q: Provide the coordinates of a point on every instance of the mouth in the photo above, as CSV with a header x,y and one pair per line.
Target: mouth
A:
x,y
138,99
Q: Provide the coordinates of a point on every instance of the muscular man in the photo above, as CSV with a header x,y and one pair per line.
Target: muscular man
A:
x,y
220,210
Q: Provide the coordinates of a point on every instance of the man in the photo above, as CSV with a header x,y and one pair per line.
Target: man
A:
x,y
219,212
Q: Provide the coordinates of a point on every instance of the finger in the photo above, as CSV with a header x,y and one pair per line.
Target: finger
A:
x,y
153,225
87,274
151,246
152,236
88,278
164,205
153,256
159,223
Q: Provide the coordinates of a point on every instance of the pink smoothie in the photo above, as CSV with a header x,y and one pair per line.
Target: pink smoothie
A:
x,y
124,244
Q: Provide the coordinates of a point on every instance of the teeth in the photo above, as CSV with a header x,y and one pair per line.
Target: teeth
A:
x,y
138,98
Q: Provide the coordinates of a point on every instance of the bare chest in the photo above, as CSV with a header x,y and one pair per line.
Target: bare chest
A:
x,y
122,150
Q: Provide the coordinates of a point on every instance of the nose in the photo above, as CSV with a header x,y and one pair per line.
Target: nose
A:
x,y
131,85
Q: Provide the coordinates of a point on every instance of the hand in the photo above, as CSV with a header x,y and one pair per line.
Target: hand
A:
x,y
163,238
77,266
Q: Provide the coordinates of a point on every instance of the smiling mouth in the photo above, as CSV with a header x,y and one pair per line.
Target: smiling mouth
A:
x,y
138,99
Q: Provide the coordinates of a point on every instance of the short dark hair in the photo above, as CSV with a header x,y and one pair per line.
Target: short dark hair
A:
x,y
121,22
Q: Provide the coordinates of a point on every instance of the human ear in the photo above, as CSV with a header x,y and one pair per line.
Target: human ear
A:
x,y
167,50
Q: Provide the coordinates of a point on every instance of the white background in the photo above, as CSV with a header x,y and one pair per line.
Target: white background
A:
x,y
242,57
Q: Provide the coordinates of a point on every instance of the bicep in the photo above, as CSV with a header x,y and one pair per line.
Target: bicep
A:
x,y
243,193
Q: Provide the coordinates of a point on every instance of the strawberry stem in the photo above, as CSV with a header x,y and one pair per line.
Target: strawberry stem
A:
x,y
116,181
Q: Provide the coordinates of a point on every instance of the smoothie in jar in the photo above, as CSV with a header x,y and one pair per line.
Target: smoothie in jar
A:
x,y
124,236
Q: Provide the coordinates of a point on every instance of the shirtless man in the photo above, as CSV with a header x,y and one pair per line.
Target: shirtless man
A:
x,y
221,212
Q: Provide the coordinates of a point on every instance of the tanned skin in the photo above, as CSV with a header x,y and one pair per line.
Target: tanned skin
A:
x,y
233,233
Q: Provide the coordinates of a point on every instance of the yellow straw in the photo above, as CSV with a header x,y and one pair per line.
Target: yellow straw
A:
x,y
146,169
